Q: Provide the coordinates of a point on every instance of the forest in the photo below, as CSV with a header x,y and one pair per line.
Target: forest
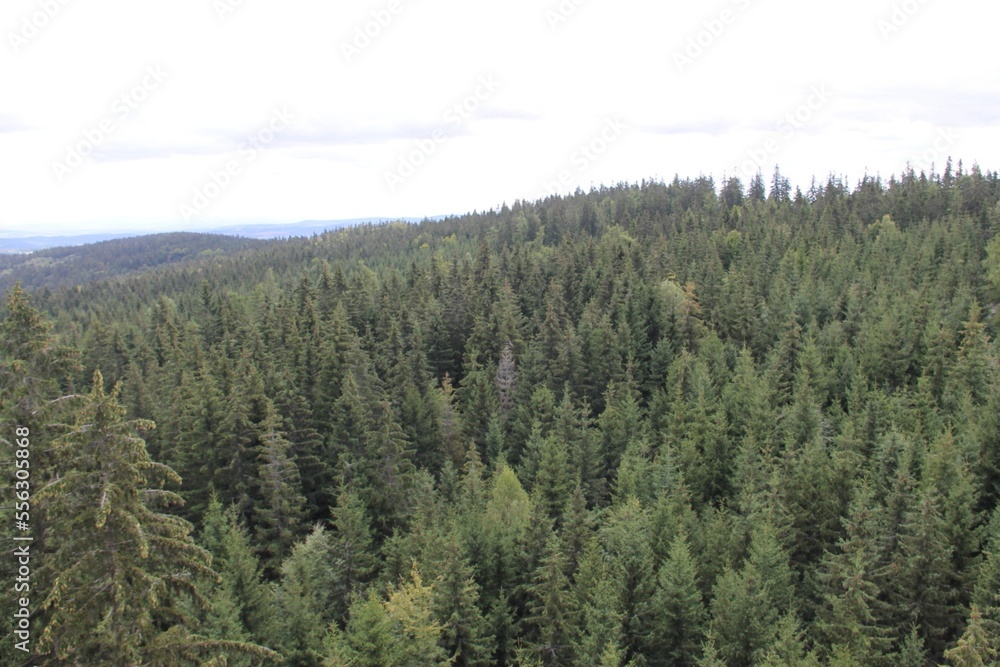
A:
x,y
669,423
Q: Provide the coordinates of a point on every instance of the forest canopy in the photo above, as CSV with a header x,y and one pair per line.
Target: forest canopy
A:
x,y
665,423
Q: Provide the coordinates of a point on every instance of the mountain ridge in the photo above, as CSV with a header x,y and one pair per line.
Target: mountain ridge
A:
x,y
21,242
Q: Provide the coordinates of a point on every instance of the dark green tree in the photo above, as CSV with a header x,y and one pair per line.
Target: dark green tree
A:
x,y
123,568
679,616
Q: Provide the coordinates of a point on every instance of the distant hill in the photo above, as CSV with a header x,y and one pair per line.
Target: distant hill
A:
x,y
69,266
20,243
25,244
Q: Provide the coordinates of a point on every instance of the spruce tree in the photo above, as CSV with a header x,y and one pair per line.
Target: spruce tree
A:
x,y
353,557
679,617
919,588
34,369
847,618
626,538
747,605
551,613
986,592
599,602
122,568
240,589
977,647
302,600
465,635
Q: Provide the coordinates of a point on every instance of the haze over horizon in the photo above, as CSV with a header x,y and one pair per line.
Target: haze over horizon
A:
x,y
206,113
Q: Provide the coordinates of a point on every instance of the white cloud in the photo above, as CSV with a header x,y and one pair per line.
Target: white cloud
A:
x,y
560,83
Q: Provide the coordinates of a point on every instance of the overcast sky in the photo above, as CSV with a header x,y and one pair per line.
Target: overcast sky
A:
x,y
133,115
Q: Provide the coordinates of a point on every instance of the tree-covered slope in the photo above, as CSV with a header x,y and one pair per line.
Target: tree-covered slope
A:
x,y
653,424
78,265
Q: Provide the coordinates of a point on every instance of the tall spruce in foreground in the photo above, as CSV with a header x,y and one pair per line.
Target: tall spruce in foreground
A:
x,y
122,568
31,367
847,619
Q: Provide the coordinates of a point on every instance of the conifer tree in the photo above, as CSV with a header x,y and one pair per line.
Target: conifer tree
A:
x,y
477,398
949,475
812,498
785,360
121,569
256,474
352,423
385,470
551,612
302,600
621,421
197,418
789,646
977,647
367,641
500,618
971,372
747,400
919,588
353,557
32,363
417,633
399,631
679,617
847,618
599,604
281,513
554,479
710,654
240,590
34,370
748,604
912,652
986,592
625,536
465,636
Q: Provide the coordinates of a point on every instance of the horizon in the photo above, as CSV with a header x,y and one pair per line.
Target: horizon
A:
x,y
271,230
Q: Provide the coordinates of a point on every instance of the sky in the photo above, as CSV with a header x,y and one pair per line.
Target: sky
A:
x,y
141,116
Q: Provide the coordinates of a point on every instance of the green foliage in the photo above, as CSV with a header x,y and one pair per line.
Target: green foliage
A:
x,y
847,619
400,631
353,557
465,636
679,617
992,266
986,593
552,614
664,423
748,604
122,570
240,602
303,602
977,647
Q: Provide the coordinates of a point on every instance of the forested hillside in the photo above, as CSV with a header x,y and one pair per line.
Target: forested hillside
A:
x,y
680,423
78,265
